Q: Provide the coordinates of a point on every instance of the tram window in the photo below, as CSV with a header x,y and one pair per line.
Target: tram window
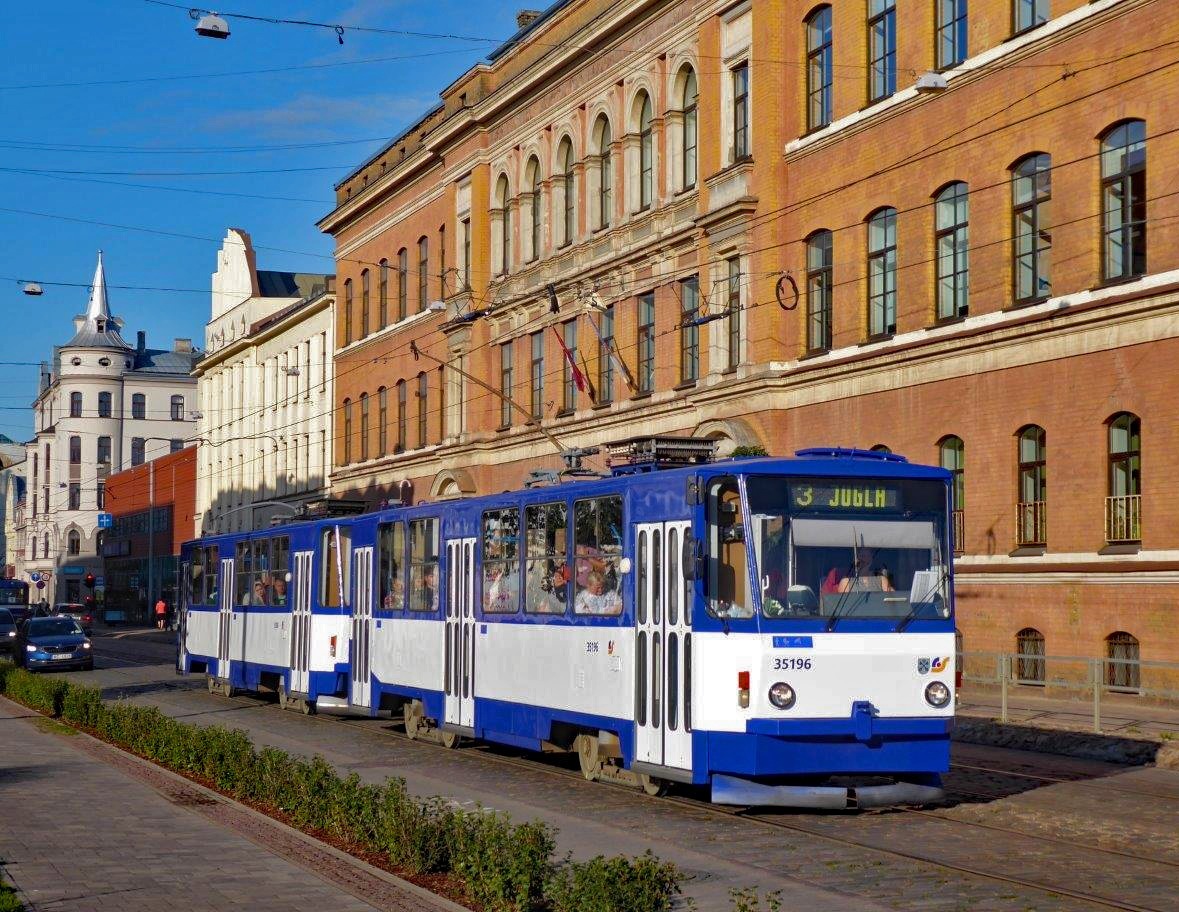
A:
x,y
211,568
641,608
281,558
657,576
641,678
501,561
673,576
673,677
728,580
391,545
687,682
548,576
597,543
423,564
335,566
244,565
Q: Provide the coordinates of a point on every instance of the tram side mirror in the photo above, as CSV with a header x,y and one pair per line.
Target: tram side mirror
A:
x,y
692,559
802,600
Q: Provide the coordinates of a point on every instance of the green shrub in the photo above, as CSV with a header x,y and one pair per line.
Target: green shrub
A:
x,y
83,706
618,884
414,833
6,668
40,693
747,452
504,865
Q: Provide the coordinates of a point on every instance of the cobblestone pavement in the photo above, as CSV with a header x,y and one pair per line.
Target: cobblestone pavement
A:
x,y
85,827
1103,836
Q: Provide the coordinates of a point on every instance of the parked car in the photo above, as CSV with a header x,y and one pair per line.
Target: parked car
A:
x,y
7,632
20,613
53,642
79,613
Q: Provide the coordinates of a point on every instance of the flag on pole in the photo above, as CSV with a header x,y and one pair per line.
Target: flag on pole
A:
x,y
578,376
612,352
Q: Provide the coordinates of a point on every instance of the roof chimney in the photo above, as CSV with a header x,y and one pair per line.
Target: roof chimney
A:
x,y
525,18
140,341
184,346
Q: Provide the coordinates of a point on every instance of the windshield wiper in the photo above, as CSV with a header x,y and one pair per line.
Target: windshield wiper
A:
x,y
851,583
912,615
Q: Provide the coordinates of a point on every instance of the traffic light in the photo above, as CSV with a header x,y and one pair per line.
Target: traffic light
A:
x,y
89,602
89,580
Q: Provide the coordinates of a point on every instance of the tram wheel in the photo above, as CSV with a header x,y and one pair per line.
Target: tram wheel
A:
x,y
211,683
652,786
448,739
415,725
308,707
587,757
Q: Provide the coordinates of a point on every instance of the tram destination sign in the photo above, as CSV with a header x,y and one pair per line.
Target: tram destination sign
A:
x,y
850,495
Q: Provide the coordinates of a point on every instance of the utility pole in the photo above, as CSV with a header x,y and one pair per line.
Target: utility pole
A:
x,y
151,538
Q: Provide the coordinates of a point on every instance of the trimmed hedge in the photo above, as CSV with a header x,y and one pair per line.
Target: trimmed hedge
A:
x,y
505,866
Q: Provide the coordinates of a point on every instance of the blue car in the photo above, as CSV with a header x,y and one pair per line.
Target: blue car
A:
x,y
54,642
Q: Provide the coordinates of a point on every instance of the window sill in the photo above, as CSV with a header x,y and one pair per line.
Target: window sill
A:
x,y
641,394
684,191
1023,31
814,353
564,413
599,406
947,321
1029,551
685,385
879,337
1121,548
1024,304
1115,282
729,371
811,131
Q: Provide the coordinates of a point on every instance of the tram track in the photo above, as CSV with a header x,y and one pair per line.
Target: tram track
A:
x,y
1098,783
762,819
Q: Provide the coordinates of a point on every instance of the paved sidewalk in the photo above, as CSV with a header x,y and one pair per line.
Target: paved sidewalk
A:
x,y
1121,715
81,828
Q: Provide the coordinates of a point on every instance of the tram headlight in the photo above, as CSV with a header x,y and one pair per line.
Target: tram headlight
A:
x,y
937,694
782,695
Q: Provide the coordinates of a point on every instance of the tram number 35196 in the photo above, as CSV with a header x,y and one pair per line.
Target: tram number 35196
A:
x,y
792,664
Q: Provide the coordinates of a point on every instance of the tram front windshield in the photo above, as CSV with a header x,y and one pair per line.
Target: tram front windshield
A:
x,y
849,548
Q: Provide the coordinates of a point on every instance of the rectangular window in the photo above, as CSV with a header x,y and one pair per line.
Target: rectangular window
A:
x,y
100,496
646,342
175,445
75,405
364,302
423,274
138,406
568,383
347,431
383,294
402,418
501,561
75,450
391,566
423,564
536,376
402,284
689,330
548,579
952,249
741,146
606,355
819,70
597,550
882,273
104,405
819,266
137,451
733,314
423,411
382,421
335,561
466,254
281,564
364,416
506,384
882,49
951,33
75,496
1029,13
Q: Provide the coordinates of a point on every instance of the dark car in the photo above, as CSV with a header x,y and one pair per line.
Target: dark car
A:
x,y
53,642
20,613
80,613
7,632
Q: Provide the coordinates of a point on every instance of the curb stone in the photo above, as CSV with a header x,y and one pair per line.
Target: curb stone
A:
x,y
1108,748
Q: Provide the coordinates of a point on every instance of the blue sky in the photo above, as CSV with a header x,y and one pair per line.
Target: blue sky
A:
x,y
61,128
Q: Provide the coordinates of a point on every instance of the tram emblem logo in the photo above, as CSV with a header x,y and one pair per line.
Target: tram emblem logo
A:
x,y
936,664
610,647
923,665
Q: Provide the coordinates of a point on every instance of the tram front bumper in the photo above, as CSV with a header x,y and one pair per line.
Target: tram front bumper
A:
x,y
746,793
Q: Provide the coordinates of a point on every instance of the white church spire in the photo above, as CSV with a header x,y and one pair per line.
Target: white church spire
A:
x,y
98,309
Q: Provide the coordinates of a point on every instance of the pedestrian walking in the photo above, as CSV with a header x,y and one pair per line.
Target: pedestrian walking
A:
x,y
161,613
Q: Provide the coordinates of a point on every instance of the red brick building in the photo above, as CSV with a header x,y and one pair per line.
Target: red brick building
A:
x,y
945,229
138,566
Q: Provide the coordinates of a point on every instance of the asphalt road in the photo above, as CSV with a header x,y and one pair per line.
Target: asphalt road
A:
x,y
1023,832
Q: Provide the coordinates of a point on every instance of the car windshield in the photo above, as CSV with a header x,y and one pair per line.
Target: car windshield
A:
x,y
850,549
40,627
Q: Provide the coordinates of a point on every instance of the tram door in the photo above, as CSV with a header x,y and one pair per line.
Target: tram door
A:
x,y
663,637
362,626
225,618
301,625
460,632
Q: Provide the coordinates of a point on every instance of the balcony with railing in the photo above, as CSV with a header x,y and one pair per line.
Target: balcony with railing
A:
x,y
1031,522
959,518
1123,518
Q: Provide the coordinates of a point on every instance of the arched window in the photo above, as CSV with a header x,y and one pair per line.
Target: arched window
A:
x,y
819,265
818,68
363,426
689,137
952,458
951,243
568,191
881,448
1031,196
176,408
347,431
402,283
1032,508
1124,503
646,154
503,203
383,294
382,421
46,553
423,410
423,273
347,311
1123,201
75,450
104,405
1122,671
104,451
401,417
75,405
882,272
603,140
1029,656
534,220
73,542
364,292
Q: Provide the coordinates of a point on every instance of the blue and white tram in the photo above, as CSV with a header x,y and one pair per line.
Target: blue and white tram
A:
x,y
757,626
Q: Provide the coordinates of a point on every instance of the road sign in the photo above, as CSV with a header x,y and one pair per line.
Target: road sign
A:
x,y
98,582
35,576
40,584
105,520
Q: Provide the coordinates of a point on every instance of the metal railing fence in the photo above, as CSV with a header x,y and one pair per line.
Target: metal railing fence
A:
x,y
1088,678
